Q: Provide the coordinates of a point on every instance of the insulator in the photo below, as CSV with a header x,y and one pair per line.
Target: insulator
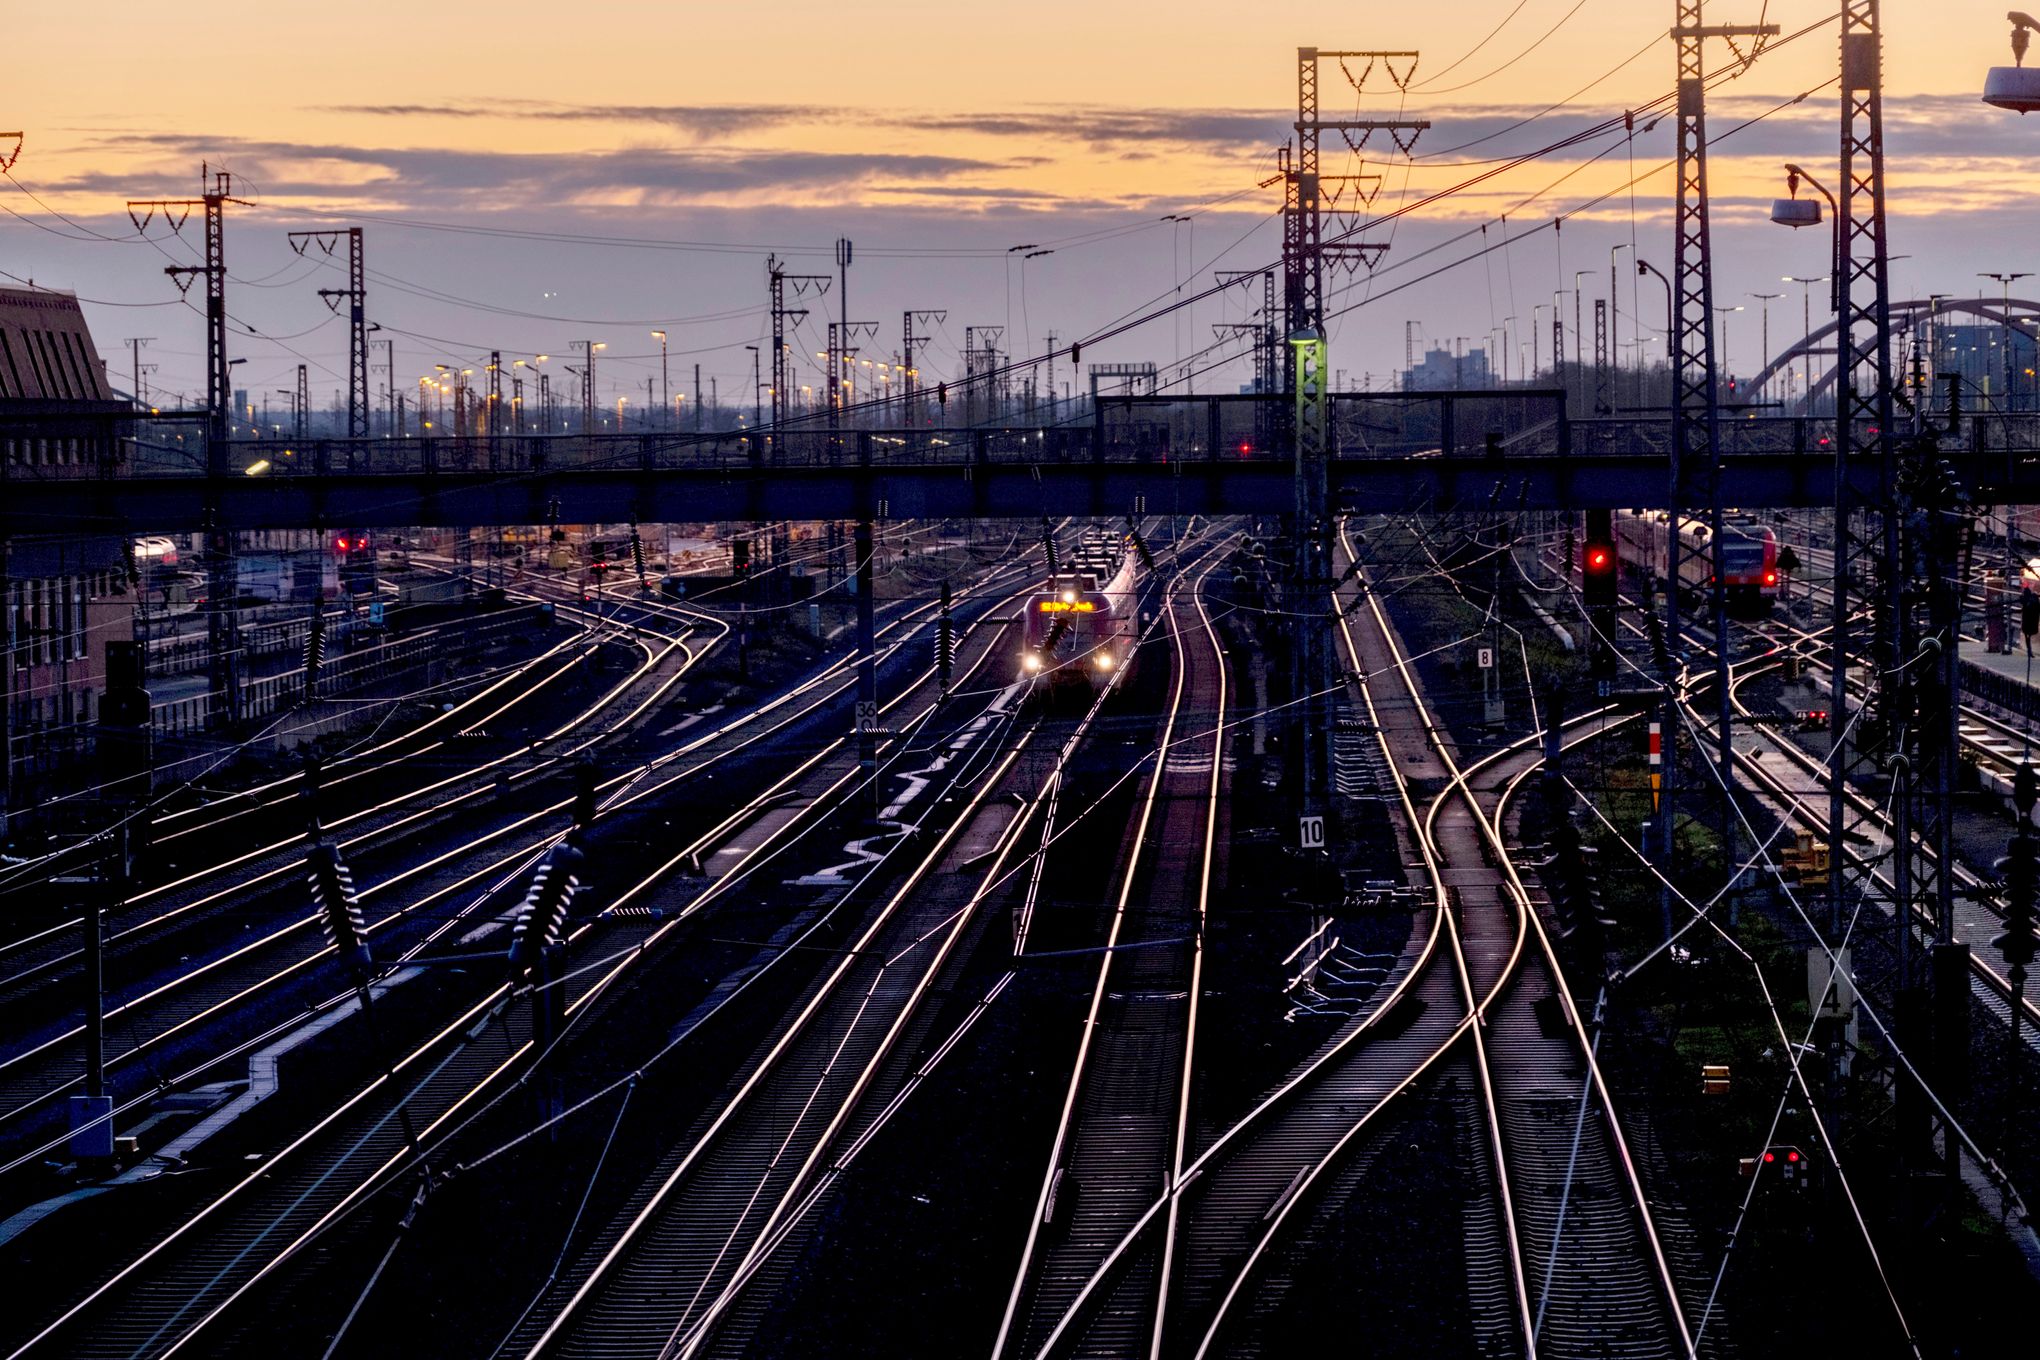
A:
x,y
637,552
542,917
315,650
332,887
1147,559
1048,548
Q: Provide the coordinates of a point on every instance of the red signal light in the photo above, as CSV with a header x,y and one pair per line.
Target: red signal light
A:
x,y
1598,558
1245,449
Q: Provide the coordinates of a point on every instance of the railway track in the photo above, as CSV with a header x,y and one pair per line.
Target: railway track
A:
x,y
219,987
1565,1257
1125,1117
157,1302
680,1277
231,952
223,823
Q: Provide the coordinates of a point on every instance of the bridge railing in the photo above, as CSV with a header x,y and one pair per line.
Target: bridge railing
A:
x,y
1116,429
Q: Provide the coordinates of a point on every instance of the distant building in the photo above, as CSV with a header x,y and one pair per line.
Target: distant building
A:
x,y
1977,353
57,414
1444,371
65,595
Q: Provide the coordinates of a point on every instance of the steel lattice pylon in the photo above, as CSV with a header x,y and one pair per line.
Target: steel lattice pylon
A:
x,y
1866,469
776,280
1910,519
356,294
1603,400
1696,415
223,632
1304,253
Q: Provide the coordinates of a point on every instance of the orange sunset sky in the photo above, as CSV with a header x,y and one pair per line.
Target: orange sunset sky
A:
x,y
935,135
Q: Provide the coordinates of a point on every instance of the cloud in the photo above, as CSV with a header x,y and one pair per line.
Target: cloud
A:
x,y
438,177
702,122
1091,124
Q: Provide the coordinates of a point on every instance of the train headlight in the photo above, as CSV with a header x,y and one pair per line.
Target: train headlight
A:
x,y
1032,661
1104,661
1069,597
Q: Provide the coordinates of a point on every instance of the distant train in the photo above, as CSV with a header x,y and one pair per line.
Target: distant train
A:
x,y
1749,557
1082,627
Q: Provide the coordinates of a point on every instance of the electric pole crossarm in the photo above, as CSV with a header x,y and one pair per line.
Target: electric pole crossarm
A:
x,y
1697,31
1375,124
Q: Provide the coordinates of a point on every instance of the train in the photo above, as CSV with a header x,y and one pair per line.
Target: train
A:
x,y
1082,626
1749,557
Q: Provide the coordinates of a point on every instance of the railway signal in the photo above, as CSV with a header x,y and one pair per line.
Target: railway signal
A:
x,y
1788,1161
2020,872
1600,568
1598,562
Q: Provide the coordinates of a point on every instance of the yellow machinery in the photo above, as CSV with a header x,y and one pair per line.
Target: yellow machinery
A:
x,y
1807,859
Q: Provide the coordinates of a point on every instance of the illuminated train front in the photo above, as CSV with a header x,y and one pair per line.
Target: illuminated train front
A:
x,y
1081,627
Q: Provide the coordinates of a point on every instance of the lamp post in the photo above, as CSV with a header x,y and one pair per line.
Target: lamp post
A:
x,y
1722,341
665,383
1615,322
757,390
1806,318
2006,280
1643,267
1766,299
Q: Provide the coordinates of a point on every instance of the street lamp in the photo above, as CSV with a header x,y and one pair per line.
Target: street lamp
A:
x,y
1615,322
2005,321
1796,212
1806,319
1722,339
1766,299
757,388
1578,336
2014,87
665,382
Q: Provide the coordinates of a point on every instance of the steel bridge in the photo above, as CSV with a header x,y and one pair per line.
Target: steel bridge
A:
x,y
1390,452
